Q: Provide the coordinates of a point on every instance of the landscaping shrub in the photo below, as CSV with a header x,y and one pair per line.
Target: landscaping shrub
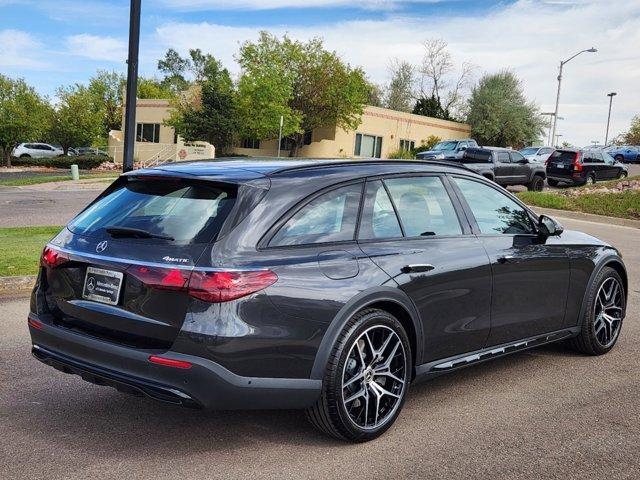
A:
x,y
84,162
401,154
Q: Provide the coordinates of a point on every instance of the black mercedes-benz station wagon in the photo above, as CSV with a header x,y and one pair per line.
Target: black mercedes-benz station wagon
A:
x,y
322,285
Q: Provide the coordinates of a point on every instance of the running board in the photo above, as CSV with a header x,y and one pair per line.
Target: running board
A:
x,y
441,366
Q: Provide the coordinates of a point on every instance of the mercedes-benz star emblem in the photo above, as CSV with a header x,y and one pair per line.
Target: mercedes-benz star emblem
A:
x,y
91,284
101,247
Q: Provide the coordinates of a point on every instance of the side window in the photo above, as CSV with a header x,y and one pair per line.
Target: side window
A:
x,y
331,217
424,206
378,216
516,157
494,212
597,157
503,157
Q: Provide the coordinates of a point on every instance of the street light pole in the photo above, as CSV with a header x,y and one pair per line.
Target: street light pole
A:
x,y
280,134
562,64
132,87
606,137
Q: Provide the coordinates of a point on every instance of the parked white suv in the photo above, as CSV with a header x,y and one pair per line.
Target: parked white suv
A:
x,y
537,154
37,150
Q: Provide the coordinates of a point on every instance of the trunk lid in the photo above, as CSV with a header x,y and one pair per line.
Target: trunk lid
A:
x,y
561,163
124,287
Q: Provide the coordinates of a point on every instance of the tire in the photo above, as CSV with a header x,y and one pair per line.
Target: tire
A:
x,y
590,180
619,158
552,183
591,338
352,351
536,184
25,155
622,175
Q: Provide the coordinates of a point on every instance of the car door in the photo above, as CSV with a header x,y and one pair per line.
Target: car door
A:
x,y
519,167
415,231
503,170
530,275
612,168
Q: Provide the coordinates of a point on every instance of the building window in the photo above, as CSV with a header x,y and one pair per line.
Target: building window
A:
x,y
407,145
148,132
253,143
368,146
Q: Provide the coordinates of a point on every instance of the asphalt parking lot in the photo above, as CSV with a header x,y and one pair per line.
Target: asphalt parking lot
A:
x,y
546,413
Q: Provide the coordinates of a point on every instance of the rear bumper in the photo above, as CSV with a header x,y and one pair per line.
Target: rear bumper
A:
x,y
205,385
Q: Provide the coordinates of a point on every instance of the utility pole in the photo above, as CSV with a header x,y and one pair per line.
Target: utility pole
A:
x,y
132,87
562,64
606,137
280,134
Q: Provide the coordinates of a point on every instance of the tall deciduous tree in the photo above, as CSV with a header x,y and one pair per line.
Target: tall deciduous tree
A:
x,y
632,136
499,113
399,95
441,83
306,84
77,120
107,89
207,111
152,88
24,115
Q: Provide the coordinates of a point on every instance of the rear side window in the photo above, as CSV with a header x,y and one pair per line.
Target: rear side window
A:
x,y
471,155
379,219
331,217
424,206
503,157
188,211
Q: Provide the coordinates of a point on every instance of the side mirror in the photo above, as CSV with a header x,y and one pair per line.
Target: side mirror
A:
x,y
549,227
523,161
462,149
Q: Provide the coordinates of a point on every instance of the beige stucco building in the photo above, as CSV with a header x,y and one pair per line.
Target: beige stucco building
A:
x,y
381,132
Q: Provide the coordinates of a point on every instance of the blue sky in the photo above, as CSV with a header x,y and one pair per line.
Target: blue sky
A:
x,y
55,42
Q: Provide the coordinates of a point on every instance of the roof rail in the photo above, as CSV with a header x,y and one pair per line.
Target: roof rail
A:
x,y
341,163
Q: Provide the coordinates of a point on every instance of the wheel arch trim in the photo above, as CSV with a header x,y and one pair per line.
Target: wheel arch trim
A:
x,y
616,262
357,303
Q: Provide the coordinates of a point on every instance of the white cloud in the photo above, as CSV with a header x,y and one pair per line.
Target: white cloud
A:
x,y
528,37
97,47
20,49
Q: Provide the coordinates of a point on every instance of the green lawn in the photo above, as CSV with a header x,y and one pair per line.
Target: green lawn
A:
x,y
19,182
20,249
619,204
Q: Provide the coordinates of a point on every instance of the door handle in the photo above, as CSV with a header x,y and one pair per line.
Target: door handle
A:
x,y
417,268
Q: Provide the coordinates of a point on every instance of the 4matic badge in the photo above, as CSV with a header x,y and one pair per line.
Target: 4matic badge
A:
x,y
167,258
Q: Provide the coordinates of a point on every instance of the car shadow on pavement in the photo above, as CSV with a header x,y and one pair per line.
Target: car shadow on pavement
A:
x,y
100,421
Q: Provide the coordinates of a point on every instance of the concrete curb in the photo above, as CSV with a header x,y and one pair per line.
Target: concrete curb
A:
x,y
16,284
588,217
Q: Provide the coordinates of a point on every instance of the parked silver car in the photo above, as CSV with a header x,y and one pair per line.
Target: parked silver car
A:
x,y
537,154
37,150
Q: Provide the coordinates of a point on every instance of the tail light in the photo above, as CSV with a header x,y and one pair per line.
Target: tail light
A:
x,y
169,362
217,287
213,287
163,278
577,166
52,258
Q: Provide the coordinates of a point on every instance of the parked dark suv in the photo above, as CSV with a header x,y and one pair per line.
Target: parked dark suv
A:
x,y
505,167
579,167
324,285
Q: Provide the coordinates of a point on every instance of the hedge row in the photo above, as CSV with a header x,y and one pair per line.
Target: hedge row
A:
x,y
84,162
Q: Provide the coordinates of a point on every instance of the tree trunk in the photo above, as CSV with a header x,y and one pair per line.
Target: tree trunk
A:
x,y
6,153
298,141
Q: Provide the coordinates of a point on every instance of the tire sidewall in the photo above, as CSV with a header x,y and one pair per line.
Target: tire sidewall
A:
x,y
537,184
603,275
373,318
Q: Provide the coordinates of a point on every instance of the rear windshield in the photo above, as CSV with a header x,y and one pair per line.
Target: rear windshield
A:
x,y
188,211
562,157
476,156
529,151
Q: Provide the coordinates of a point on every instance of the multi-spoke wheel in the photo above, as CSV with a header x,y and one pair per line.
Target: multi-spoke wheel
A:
x,y
374,377
608,310
604,314
367,378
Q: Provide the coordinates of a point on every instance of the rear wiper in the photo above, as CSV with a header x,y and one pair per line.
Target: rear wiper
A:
x,y
135,233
